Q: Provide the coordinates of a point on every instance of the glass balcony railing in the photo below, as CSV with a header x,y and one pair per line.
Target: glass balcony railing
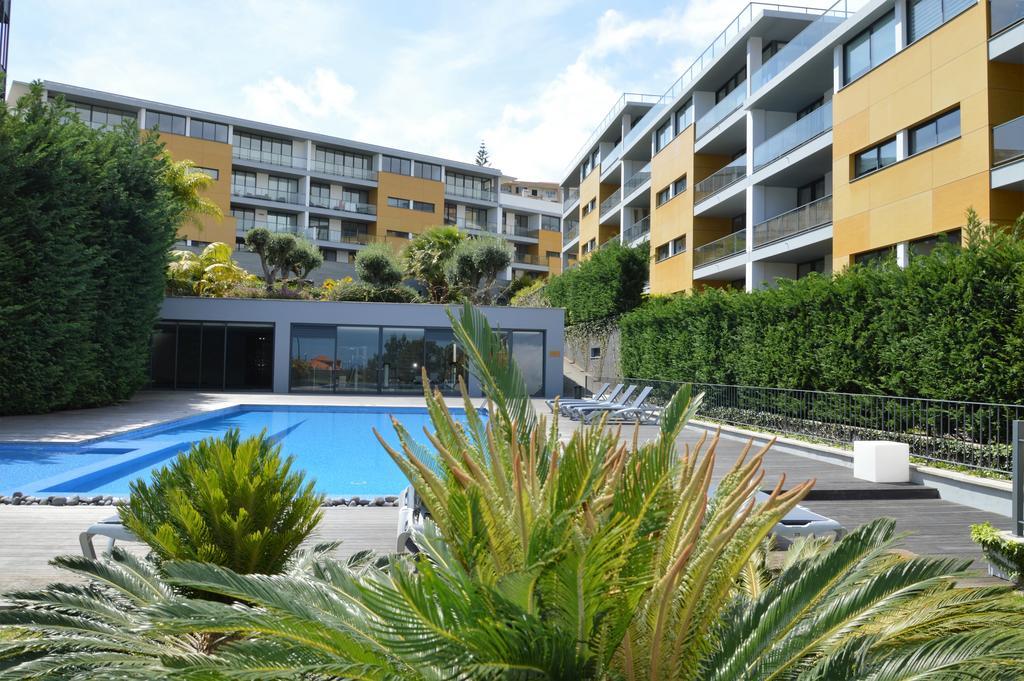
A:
x,y
470,192
572,195
731,244
286,160
529,259
342,236
637,230
793,222
812,34
1008,141
611,158
638,180
267,194
243,226
339,204
1003,15
571,231
473,225
611,202
795,135
613,240
522,230
613,113
344,171
729,175
719,112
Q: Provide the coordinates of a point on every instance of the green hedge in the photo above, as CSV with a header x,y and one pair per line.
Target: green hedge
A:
x,y
607,284
86,221
949,326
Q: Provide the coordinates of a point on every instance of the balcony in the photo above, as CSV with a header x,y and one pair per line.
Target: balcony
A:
x,y
719,112
609,242
729,175
637,230
611,158
285,160
571,231
1003,15
470,193
728,245
267,194
801,219
572,195
797,134
244,226
524,231
1008,141
804,41
473,225
339,170
347,206
342,236
529,259
611,202
638,180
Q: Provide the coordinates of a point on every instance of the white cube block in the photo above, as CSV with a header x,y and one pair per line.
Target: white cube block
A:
x,y
881,461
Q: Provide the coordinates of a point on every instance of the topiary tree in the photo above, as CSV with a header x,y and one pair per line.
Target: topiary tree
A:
x,y
427,255
377,265
474,267
228,501
303,258
281,254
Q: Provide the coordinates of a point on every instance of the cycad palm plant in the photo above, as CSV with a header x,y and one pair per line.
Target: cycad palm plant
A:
x,y
582,558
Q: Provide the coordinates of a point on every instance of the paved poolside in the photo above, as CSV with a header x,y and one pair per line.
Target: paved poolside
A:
x,y
33,535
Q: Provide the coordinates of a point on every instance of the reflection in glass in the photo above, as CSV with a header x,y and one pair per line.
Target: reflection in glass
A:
x,y
313,358
528,352
189,343
163,355
212,369
357,359
444,360
401,360
249,358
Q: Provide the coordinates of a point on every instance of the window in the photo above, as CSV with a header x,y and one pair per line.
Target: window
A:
x,y
396,234
734,82
805,268
282,222
243,180
589,246
939,130
283,188
667,250
423,206
321,228
550,223
320,195
869,48
428,171
208,130
739,222
664,135
244,217
679,186
476,217
354,196
679,244
335,161
664,195
875,158
398,166
928,244
396,202
451,214
100,116
330,255
663,252
924,16
816,104
258,147
671,191
212,173
771,49
595,352
874,257
166,122
554,254
812,191
468,185
591,205
684,117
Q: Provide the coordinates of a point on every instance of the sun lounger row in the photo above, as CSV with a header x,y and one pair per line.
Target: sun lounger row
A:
x,y
611,403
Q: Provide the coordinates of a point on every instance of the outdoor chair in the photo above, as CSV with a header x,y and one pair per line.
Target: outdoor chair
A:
x,y
601,393
586,413
111,528
615,399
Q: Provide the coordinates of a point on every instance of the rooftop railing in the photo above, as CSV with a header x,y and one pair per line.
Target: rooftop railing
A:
x,y
728,245
796,221
470,192
611,202
617,108
719,112
267,194
344,171
637,230
716,182
272,158
1003,15
637,180
571,231
1008,141
806,39
795,135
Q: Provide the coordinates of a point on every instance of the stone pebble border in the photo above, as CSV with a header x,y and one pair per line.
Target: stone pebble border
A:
x,y
19,499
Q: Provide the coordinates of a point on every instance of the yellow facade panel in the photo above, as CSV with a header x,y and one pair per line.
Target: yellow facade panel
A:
x,y
216,156
590,189
414,189
951,201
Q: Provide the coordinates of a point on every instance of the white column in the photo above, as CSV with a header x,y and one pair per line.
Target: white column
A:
x,y
837,68
142,119
903,254
753,59
900,24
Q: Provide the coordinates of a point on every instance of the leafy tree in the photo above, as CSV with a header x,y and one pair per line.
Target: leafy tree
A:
x,y
226,501
377,265
362,292
474,268
213,272
282,254
87,220
427,255
188,186
482,157
606,285
584,558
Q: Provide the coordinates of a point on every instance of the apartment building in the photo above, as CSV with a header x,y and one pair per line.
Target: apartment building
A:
x,y
341,194
5,36
803,140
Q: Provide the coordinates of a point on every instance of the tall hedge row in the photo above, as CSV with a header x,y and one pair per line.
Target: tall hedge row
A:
x,y
950,326
86,221
607,284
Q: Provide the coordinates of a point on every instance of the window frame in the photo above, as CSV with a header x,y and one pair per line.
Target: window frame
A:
x,y
868,34
913,147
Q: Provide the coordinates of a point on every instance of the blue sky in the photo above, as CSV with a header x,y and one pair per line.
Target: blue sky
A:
x,y
531,78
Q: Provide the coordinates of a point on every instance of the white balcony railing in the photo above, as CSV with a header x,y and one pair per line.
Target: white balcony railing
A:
x,y
728,245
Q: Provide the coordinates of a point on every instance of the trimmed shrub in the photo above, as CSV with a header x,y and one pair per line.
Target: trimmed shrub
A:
x,y
360,291
227,501
608,284
378,266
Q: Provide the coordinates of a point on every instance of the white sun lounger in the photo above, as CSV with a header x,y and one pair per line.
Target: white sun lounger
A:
x,y
609,396
599,391
588,412
111,528
614,401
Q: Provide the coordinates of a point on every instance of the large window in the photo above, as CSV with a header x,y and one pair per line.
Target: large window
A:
x,y
320,195
282,222
341,162
924,16
870,47
284,189
100,116
664,135
734,82
684,116
165,122
428,171
212,355
468,185
261,148
671,191
208,130
550,223
398,166
939,130
875,158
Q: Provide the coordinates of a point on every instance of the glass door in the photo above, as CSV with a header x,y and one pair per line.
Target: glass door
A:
x,y
313,358
401,360
528,352
444,360
358,355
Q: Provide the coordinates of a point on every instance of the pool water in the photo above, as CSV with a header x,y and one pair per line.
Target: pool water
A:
x,y
335,446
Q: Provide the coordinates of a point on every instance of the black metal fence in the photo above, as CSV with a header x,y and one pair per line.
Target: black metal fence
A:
x,y
975,435
1018,478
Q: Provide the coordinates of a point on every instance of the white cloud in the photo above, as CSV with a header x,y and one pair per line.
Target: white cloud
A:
x,y
279,100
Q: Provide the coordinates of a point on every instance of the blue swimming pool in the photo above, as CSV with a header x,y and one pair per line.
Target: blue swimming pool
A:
x,y
334,445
